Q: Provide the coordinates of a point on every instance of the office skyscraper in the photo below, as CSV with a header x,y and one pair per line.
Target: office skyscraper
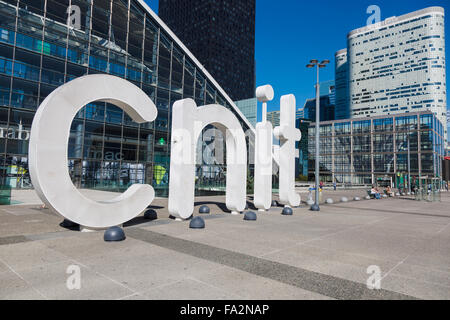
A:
x,y
221,34
274,118
398,66
342,109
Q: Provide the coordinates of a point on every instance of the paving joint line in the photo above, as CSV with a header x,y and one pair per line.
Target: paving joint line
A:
x,y
320,283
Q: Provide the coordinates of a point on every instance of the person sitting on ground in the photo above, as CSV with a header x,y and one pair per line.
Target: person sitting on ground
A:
x,y
389,192
375,193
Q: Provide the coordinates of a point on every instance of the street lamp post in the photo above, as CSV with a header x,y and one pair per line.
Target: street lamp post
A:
x,y
312,64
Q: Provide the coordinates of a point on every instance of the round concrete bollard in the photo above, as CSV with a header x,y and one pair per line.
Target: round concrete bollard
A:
x,y
204,210
250,216
310,202
329,201
274,203
69,224
397,194
409,193
150,215
357,199
114,234
197,223
403,194
287,211
367,198
344,199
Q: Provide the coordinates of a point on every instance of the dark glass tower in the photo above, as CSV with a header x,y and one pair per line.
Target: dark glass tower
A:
x,y
221,35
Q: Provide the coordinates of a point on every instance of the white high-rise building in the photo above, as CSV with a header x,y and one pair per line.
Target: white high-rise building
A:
x,y
398,66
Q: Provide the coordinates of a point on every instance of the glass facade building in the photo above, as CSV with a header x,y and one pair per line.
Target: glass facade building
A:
x,y
398,66
365,151
46,43
221,34
327,109
301,163
274,118
249,107
328,88
342,110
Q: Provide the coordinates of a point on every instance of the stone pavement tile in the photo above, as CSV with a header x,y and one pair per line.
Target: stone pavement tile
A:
x,y
304,231
13,240
191,289
434,254
344,218
253,287
25,224
424,274
393,247
416,288
274,239
28,254
82,245
330,262
174,228
51,280
181,228
250,248
275,217
399,207
145,266
14,288
414,229
28,210
3,267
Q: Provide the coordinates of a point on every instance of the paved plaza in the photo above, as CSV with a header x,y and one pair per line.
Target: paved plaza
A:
x,y
323,255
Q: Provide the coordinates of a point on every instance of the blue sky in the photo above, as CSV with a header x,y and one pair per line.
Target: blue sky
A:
x,y
291,32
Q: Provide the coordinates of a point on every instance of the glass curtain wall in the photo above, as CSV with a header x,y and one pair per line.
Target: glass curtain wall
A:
x,y
363,152
46,43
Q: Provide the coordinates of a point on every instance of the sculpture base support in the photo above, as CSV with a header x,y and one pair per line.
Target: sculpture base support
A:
x,y
114,234
150,214
250,216
287,211
204,210
197,223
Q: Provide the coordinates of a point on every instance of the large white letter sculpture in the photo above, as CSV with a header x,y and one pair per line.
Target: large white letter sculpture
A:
x,y
288,135
188,121
49,147
263,153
